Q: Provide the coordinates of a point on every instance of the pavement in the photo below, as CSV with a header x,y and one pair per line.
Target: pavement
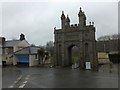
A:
x,y
45,77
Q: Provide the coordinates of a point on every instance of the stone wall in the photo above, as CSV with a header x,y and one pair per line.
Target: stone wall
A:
x,y
103,58
2,39
107,46
32,60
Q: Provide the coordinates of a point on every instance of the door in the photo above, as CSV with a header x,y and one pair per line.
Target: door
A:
x,y
23,59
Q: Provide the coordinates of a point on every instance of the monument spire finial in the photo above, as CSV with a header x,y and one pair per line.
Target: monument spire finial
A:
x,y
68,19
67,15
80,9
62,12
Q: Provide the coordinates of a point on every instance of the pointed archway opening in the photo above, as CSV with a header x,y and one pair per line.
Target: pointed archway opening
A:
x,y
74,56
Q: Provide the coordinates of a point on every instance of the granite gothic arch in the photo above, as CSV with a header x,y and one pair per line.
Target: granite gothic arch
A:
x,y
80,35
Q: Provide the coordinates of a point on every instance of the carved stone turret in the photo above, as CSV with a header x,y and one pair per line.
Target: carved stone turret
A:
x,y
63,18
82,19
67,23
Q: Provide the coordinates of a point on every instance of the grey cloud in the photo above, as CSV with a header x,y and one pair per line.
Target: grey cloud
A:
x,y
37,20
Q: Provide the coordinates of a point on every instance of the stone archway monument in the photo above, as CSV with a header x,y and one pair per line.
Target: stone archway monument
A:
x,y
79,35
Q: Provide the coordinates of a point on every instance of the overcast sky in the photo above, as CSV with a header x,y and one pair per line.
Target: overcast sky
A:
x,y
37,19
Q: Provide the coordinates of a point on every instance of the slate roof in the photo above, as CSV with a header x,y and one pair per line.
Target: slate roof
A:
x,y
11,43
27,50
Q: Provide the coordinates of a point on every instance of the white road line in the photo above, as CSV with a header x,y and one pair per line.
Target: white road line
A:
x,y
27,77
21,86
15,82
25,82
19,78
11,86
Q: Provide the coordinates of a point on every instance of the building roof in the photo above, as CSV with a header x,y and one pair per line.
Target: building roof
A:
x,y
27,50
11,43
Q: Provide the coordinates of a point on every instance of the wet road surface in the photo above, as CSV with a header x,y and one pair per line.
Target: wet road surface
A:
x,y
41,77
0,77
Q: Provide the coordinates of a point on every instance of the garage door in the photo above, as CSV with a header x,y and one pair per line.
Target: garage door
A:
x,y
23,60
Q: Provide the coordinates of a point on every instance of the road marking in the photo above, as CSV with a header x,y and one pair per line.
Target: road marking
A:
x,y
21,86
27,77
25,82
11,86
15,82
19,78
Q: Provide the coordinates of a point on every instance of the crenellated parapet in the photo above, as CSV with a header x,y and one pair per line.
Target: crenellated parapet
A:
x,y
65,22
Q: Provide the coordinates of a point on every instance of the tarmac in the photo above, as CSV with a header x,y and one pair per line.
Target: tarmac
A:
x,y
46,77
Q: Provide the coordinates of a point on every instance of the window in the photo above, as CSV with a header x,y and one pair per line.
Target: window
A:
x,y
36,56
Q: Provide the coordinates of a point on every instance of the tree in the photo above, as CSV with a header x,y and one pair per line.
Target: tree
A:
x,y
32,45
49,47
109,37
41,54
46,56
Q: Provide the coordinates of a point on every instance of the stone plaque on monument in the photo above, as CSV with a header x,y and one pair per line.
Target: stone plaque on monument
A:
x,y
88,65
